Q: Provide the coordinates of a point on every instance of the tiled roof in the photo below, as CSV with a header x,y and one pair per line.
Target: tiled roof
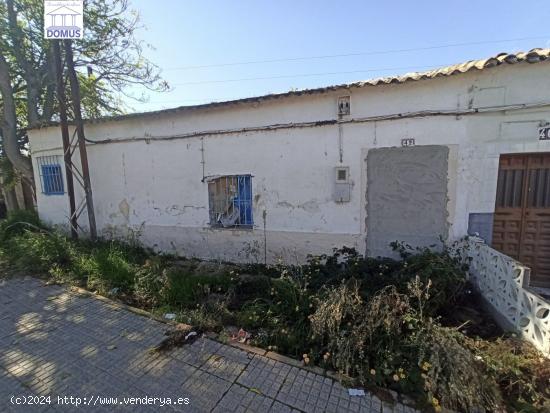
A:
x,y
533,56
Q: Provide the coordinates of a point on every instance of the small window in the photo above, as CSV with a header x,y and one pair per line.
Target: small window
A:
x,y
230,200
51,176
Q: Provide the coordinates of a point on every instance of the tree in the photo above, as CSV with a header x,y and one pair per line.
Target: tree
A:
x,y
110,57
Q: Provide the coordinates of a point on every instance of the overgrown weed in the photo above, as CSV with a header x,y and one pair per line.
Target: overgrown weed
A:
x,y
398,324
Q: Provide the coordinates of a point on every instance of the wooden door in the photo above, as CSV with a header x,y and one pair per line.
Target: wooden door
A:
x,y
522,212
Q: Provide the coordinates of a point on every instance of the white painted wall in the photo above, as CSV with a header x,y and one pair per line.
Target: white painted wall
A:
x,y
156,188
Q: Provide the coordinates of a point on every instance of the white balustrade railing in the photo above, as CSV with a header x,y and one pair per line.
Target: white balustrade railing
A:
x,y
504,284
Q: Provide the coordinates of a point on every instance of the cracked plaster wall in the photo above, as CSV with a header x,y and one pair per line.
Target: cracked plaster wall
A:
x,y
154,189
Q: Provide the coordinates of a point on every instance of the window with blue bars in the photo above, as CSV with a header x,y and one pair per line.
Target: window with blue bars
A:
x,y
230,201
51,176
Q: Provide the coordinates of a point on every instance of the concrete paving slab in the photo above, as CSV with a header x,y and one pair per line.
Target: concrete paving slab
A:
x,y
58,343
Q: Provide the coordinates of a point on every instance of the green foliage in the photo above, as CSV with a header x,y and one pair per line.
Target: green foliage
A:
x,y
110,50
97,99
101,265
17,222
251,287
185,290
149,281
29,246
444,272
110,267
8,173
209,316
373,274
281,317
261,269
38,252
519,369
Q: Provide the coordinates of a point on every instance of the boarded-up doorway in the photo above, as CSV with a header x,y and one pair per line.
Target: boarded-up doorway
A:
x,y
406,197
521,226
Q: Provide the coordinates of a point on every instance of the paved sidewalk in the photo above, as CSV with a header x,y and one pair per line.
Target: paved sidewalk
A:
x,y
57,343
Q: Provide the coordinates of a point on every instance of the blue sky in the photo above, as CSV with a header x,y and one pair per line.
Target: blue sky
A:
x,y
187,33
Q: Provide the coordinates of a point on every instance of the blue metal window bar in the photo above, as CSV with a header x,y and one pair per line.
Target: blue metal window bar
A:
x,y
230,201
51,176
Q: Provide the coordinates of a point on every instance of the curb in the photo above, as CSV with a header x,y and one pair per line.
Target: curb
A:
x,y
122,306
339,377
213,336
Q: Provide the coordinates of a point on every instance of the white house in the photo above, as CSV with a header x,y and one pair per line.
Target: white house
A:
x,y
462,149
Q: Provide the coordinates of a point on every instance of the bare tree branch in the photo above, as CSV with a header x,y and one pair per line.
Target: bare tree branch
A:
x,y
110,48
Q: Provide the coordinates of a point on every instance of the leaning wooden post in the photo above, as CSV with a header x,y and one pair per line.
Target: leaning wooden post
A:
x,y
75,96
65,135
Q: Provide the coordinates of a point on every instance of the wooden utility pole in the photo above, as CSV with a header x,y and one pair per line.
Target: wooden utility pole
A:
x,y
65,136
75,97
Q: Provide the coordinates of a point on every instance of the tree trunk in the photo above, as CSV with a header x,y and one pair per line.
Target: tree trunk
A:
x,y
9,125
30,74
29,197
11,199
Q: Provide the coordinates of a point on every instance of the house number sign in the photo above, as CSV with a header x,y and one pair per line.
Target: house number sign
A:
x,y
408,142
544,133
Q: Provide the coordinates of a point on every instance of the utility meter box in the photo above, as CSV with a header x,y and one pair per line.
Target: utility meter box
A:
x,y
342,184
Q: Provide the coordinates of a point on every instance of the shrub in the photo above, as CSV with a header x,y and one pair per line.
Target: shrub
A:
x,y
250,287
362,336
373,274
281,318
395,344
209,316
18,222
445,273
261,269
452,376
108,267
377,320
39,252
522,373
186,290
149,282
